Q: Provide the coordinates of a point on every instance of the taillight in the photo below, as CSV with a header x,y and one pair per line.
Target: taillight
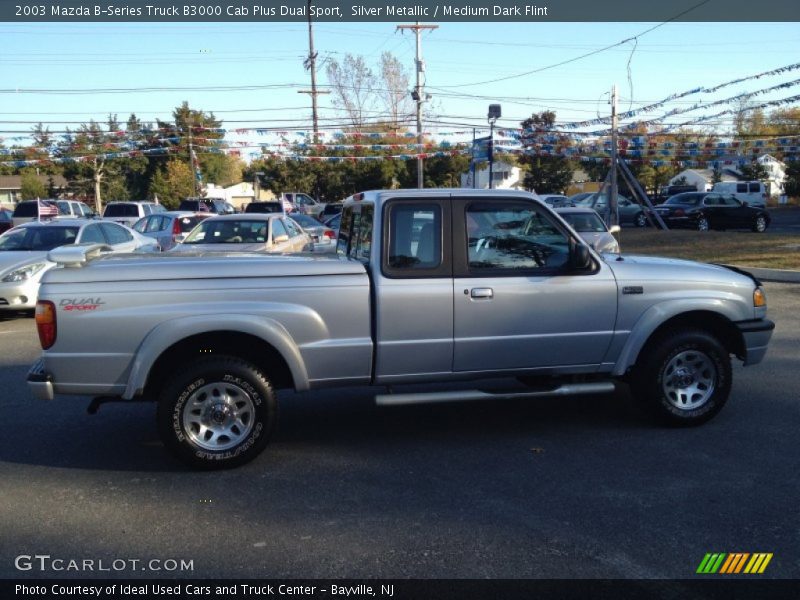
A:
x,y
329,233
46,323
176,227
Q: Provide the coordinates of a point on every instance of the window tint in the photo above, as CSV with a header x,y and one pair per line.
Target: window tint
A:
x,y
345,224
92,234
156,223
140,225
25,209
292,227
513,237
741,188
755,187
278,229
361,242
115,234
121,210
415,236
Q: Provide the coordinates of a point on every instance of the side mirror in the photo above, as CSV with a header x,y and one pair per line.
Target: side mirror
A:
x,y
579,257
614,229
279,239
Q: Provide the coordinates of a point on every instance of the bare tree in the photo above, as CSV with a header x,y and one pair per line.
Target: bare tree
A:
x,y
353,88
394,93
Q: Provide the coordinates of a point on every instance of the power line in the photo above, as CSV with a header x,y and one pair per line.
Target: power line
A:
x,y
582,56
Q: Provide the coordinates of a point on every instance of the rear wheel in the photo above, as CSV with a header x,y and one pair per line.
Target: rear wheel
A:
x,y
683,378
760,224
640,220
217,413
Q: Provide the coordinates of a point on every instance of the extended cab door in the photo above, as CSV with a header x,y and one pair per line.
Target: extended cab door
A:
x,y
413,289
516,303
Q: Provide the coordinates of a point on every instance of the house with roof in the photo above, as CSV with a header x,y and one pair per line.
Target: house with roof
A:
x,y
11,187
703,179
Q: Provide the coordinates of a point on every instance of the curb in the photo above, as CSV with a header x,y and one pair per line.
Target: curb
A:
x,y
774,275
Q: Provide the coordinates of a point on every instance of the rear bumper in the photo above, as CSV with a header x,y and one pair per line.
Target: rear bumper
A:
x,y
756,335
40,383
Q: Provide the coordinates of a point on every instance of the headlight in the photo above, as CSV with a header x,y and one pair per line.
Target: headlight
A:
x,y
24,273
759,297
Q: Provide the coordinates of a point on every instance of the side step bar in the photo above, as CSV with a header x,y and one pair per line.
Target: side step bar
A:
x,y
568,389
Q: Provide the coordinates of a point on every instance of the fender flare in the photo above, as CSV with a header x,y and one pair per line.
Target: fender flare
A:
x,y
170,332
657,315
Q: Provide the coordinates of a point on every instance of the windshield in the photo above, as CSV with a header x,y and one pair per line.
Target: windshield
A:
x,y
585,222
37,238
228,232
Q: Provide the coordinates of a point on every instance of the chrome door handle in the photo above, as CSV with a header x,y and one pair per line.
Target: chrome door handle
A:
x,y
487,293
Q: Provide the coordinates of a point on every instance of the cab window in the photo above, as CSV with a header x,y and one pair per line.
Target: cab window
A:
x,y
361,239
512,237
415,236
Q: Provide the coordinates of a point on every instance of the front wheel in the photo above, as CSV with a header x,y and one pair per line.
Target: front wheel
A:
x,y
217,412
703,224
683,378
760,224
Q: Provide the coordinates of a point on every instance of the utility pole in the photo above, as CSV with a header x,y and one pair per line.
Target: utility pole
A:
x,y
612,199
192,166
310,63
419,93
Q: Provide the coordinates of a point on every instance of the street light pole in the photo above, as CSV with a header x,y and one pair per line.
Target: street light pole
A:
x,y
494,114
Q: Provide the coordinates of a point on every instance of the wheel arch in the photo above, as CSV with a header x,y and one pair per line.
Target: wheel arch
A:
x,y
709,321
265,344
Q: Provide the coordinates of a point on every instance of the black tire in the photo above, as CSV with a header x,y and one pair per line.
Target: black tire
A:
x,y
640,220
231,431
760,224
683,378
703,224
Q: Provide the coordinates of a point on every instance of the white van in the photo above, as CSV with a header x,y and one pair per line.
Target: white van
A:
x,y
752,192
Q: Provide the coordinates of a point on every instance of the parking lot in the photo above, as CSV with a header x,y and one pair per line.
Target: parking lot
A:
x,y
577,487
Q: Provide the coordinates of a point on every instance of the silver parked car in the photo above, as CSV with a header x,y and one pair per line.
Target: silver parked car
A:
x,y
246,233
169,226
23,253
588,224
324,237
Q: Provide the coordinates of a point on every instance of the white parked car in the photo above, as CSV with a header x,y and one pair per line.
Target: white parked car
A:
x,y
252,232
23,253
588,224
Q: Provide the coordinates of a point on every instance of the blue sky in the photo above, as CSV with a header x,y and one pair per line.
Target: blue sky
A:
x,y
673,58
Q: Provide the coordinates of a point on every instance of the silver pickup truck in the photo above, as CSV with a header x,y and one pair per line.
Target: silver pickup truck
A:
x,y
426,286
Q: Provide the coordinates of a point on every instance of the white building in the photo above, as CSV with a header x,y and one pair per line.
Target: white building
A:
x,y
239,194
702,179
505,176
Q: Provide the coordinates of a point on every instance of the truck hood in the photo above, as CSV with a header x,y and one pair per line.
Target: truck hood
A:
x,y
643,268
219,265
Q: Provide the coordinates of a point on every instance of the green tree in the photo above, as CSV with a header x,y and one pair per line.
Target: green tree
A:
x,y
791,185
32,186
544,173
173,183
754,171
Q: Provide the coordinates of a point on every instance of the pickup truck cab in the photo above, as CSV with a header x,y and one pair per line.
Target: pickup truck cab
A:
x,y
426,286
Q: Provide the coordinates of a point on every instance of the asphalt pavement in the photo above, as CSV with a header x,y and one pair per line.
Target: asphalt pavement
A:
x,y
563,488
